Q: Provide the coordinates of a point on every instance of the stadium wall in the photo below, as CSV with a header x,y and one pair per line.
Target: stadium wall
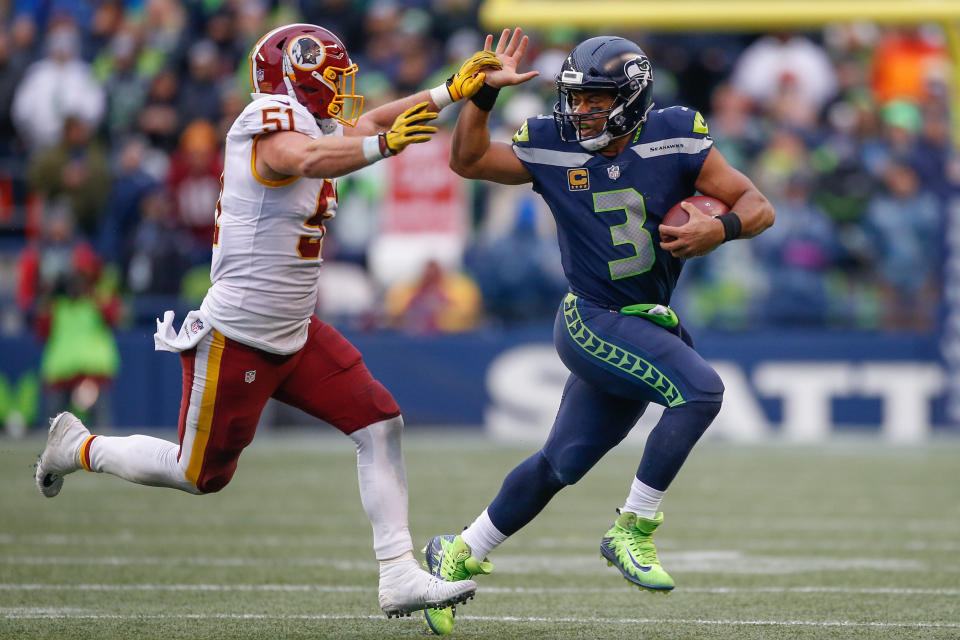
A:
x,y
798,386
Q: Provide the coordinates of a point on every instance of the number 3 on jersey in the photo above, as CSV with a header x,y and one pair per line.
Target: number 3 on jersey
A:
x,y
630,232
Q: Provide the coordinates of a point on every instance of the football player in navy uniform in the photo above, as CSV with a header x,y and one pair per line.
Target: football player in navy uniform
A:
x,y
610,166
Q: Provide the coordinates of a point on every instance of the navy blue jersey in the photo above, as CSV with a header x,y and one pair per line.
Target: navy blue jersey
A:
x,y
608,209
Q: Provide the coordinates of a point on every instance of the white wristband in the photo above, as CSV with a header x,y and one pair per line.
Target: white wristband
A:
x,y
371,149
441,96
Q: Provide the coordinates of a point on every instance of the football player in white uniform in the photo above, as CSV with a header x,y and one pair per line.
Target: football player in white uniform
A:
x,y
255,335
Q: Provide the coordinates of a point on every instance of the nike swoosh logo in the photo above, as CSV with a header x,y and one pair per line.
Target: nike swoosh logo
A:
x,y
643,567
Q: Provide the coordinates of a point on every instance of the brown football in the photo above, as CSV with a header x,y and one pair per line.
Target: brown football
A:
x,y
677,217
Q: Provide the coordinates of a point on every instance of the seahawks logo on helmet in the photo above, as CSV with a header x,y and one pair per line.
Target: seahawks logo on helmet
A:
x,y
638,69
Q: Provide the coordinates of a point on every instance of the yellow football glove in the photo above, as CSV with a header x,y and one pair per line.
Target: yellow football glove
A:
x,y
467,81
409,128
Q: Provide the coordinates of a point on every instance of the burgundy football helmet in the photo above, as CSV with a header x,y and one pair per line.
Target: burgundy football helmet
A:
x,y
311,65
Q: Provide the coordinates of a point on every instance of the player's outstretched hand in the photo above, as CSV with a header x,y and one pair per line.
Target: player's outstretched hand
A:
x,y
409,128
700,235
468,80
510,50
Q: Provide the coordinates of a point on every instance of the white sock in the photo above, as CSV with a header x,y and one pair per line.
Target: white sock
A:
x,y
404,558
482,536
643,500
383,486
141,459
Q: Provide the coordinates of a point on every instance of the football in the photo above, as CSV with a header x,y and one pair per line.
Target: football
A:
x,y
677,217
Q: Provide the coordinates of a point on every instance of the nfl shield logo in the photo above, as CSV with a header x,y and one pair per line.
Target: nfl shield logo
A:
x,y
196,326
613,171
250,376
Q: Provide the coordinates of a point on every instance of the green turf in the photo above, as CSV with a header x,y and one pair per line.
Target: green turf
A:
x,y
842,541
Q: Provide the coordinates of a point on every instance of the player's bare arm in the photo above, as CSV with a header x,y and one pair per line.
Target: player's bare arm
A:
x,y
290,153
704,233
472,154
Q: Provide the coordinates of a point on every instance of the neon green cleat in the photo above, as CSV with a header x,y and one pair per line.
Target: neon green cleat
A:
x,y
628,545
449,558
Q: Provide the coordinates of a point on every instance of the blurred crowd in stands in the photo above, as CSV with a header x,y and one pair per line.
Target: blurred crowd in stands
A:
x,y
114,115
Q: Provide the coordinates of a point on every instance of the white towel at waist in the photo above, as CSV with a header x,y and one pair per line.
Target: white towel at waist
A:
x,y
194,327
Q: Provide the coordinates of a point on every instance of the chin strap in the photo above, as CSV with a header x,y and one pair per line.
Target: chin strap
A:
x,y
595,144
327,125
287,72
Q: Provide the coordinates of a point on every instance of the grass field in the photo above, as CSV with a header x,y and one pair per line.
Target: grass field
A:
x,y
843,541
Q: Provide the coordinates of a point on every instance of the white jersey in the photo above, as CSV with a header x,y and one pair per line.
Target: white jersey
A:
x,y
266,251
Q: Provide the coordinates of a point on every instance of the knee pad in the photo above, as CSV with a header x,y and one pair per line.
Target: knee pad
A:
x,y
705,387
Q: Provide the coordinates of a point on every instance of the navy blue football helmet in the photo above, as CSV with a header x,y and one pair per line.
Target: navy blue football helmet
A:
x,y
608,63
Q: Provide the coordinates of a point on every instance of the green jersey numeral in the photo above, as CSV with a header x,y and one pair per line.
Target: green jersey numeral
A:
x,y
630,232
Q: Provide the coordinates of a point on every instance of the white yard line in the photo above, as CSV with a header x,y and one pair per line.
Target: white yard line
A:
x,y
346,565
74,614
690,562
290,588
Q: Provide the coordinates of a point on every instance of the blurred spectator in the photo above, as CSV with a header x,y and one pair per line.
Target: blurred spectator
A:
x,y
159,119
161,251
125,86
199,91
55,87
383,40
78,169
194,181
798,255
164,28
785,65
900,124
438,302
784,156
903,222
735,131
132,184
105,23
933,149
220,30
361,200
519,273
13,63
908,63
59,277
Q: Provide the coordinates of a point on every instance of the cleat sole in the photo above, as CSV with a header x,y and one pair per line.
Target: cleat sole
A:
x,y
452,602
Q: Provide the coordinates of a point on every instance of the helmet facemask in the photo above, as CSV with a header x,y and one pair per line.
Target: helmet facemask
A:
x,y
346,105
571,124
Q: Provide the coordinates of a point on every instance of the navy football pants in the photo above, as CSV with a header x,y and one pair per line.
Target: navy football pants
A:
x,y
618,364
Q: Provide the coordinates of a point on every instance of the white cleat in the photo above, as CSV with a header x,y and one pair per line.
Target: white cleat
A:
x,y
405,587
61,455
